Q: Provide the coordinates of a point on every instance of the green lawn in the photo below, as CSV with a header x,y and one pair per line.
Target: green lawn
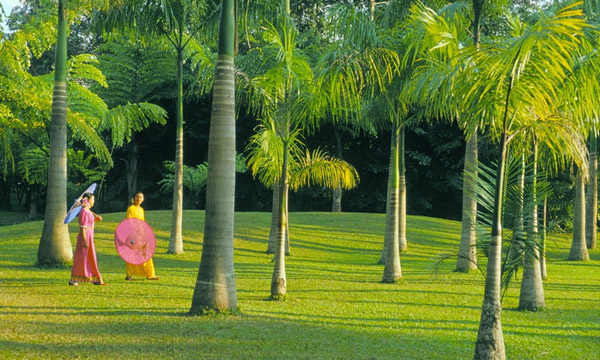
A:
x,y
336,308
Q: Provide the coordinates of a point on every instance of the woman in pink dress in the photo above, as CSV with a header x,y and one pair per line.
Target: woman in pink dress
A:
x,y
85,265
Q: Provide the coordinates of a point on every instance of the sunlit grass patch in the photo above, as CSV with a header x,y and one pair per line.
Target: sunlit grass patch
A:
x,y
336,306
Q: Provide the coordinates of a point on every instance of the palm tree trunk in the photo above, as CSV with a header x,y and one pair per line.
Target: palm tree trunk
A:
x,y
592,196
33,195
272,245
517,245
402,244
215,284
287,222
532,287
337,192
275,214
131,169
543,268
579,250
467,251
176,239
55,245
388,218
279,281
490,340
392,270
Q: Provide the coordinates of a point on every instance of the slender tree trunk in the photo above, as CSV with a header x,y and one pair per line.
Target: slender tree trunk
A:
x,y
467,251
275,213
279,280
517,246
490,340
402,243
579,251
34,194
519,223
543,268
131,169
392,270
287,222
55,244
337,192
176,239
591,212
388,218
215,284
532,287
6,191
272,246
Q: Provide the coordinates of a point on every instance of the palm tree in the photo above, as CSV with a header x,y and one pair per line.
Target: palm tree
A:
x,y
467,253
305,168
55,245
178,21
532,289
215,284
442,35
591,212
358,35
431,40
272,88
591,9
579,251
515,77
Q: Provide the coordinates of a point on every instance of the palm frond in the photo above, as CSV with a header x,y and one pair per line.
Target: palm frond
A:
x,y
318,168
124,121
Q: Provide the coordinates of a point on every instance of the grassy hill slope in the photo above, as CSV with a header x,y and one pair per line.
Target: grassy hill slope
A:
x,y
336,307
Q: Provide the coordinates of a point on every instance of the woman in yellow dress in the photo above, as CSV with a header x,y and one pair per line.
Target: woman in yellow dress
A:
x,y
146,269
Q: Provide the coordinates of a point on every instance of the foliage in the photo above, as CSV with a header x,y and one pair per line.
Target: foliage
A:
x,y
305,168
516,204
194,177
336,309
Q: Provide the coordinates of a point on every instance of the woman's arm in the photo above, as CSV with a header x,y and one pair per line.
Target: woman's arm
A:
x,y
83,237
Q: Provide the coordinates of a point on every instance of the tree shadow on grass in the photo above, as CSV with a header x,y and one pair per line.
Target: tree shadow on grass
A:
x,y
244,337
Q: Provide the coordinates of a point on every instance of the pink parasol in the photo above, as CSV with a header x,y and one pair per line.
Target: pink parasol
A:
x,y
135,241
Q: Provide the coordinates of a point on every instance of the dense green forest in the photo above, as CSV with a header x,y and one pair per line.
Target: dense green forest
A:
x,y
434,150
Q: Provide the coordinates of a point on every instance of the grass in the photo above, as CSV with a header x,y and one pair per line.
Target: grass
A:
x,y
336,307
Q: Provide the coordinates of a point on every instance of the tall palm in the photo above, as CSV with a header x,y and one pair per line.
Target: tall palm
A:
x,y
305,168
178,21
215,284
579,251
273,78
55,245
516,77
592,12
433,37
357,63
591,212
467,252
361,33
532,289
440,34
